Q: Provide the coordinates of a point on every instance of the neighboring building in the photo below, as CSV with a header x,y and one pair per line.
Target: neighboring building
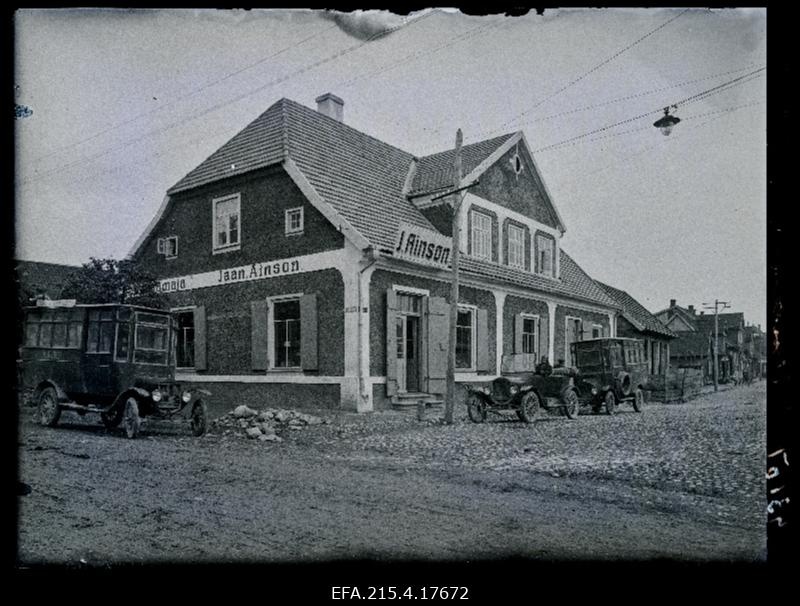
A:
x,y
36,280
636,322
309,262
755,351
694,346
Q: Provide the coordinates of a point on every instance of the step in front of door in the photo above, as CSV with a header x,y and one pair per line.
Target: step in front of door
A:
x,y
409,401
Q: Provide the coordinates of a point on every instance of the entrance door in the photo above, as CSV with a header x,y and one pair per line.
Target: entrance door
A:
x,y
407,328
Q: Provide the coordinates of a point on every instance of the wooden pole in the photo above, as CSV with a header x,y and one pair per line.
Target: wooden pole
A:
x,y
450,395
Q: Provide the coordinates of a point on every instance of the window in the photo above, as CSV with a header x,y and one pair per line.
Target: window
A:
x,y
530,335
516,246
294,221
545,250
151,339
100,332
597,331
227,225
286,325
168,247
481,235
465,329
59,328
184,347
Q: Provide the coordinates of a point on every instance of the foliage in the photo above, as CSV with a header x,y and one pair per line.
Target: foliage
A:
x,y
112,281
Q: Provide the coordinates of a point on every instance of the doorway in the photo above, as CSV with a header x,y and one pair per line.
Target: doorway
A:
x,y
408,342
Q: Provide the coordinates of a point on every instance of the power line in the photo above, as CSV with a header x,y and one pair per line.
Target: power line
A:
x,y
589,72
185,96
213,108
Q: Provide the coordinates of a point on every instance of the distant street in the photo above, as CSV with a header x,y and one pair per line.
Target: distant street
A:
x,y
680,481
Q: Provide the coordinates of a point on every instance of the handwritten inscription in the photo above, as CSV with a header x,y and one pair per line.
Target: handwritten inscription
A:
x,y
777,476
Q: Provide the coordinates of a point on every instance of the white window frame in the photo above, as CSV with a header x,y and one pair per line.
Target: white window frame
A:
x,y
520,258
537,333
217,248
473,311
487,234
599,327
271,301
551,244
288,229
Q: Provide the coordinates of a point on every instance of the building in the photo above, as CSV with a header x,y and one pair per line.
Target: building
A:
x,y
37,280
309,263
636,322
694,346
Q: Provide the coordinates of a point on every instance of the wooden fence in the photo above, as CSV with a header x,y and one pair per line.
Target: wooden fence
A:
x,y
679,385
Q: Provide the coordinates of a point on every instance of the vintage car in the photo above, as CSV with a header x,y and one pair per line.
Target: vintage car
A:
x,y
114,360
525,392
611,370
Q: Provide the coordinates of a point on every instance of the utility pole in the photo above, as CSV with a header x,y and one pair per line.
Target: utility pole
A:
x,y
450,395
724,305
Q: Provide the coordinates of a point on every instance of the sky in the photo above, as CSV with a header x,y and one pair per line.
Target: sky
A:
x,y
123,103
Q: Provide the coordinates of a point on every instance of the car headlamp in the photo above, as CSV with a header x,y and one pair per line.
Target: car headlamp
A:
x,y
594,391
186,396
156,395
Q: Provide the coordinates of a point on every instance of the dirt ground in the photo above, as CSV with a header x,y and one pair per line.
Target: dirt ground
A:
x,y
387,487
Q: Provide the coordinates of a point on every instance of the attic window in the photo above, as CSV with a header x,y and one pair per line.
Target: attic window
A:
x,y
516,163
168,247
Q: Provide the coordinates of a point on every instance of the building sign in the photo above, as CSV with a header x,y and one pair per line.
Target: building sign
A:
x,y
247,273
422,245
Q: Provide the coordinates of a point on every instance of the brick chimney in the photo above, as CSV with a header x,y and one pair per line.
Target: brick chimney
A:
x,y
331,105
672,302
691,309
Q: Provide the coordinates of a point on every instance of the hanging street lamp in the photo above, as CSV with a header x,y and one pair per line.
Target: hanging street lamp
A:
x,y
666,122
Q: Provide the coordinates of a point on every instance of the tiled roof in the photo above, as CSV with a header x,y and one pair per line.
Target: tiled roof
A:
x,y
437,171
44,278
636,313
362,178
574,282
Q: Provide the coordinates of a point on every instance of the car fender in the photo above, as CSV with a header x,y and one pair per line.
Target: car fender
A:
x,y
204,392
138,392
62,396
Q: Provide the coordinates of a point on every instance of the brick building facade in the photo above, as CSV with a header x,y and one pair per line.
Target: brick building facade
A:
x,y
308,263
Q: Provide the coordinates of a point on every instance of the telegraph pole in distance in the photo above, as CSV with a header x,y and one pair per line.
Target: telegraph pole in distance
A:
x,y
717,304
450,396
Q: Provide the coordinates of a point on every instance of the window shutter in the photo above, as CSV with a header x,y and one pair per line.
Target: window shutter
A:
x,y
519,322
258,335
200,358
438,340
482,340
308,332
391,342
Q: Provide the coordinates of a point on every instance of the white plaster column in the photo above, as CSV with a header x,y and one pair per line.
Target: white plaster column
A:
x,y
612,324
499,305
551,333
365,385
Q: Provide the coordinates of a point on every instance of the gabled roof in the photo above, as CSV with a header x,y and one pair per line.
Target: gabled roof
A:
x,y
574,282
684,314
437,171
730,321
635,312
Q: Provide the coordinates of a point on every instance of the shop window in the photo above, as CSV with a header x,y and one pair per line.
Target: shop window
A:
x,y
530,335
516,246
294,221
227,223
481,235
100,331
545,255
465,339
184,346
286,327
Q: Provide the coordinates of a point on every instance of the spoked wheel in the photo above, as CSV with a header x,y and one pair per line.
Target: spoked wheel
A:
x,y
199,421
572,404
529,407
131,419
476,408
112,418
610,402
638,400
48,410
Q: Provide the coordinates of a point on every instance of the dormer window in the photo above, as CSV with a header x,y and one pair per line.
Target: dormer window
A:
x,y
481,235
545,254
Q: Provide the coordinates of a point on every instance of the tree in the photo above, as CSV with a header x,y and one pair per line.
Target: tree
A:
x,y
112,281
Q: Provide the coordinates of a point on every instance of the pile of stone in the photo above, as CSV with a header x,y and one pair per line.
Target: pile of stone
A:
x,y
264,425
